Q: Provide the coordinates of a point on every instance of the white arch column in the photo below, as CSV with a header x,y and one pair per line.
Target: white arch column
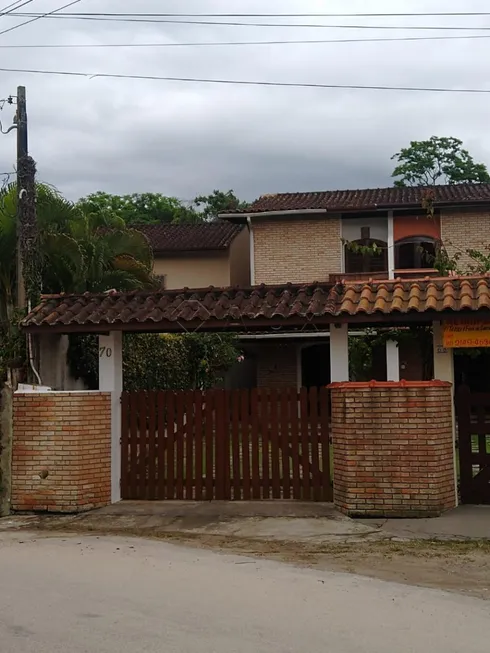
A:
x,y
339,353
111,380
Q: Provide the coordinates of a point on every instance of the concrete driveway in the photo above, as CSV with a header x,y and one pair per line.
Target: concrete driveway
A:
x,y
301,522
114,595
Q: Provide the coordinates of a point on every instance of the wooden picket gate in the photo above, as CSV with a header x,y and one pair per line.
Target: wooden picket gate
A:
x,y
218,444
473,415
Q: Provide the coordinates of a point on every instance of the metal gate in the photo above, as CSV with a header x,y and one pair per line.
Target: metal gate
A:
x,y
473,417
238,445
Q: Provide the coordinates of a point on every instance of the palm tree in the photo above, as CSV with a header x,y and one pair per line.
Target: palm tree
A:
x,y
80,251
7,254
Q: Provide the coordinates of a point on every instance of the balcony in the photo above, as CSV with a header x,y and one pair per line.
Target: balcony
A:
x,y
357,276
415,273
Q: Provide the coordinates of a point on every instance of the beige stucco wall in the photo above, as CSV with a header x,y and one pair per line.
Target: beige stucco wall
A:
x,y
240,259
461,231
194,272
300,250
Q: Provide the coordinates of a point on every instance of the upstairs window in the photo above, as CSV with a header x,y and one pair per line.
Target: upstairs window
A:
x,y
364,262
415,253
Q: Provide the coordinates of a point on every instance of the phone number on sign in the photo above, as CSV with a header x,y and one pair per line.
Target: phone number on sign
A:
x,y
468,342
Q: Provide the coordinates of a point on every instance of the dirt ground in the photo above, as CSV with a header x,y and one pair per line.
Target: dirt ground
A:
x,y
462,567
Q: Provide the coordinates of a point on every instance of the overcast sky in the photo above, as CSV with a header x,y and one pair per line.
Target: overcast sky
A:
x,y
183,139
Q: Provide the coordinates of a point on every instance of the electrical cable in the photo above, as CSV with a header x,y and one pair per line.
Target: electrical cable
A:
x,y
38,17
277,15
248,82
245,43
92,17
15,5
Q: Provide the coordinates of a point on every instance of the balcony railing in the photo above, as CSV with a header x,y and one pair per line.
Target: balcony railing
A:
x,y
416,273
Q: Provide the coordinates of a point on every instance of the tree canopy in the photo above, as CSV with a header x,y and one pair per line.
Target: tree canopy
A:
x,y
155,208
80,250
140,208
218,202
438,160
91,246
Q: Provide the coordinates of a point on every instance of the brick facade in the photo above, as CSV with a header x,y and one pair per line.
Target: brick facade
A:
x,y
277,366
393,448
464,230
61,458
302,250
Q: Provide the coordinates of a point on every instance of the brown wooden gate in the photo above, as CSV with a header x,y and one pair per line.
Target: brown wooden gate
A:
x,y
218,444
473,415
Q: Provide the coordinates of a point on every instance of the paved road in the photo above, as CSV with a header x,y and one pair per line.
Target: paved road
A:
x,y
115,595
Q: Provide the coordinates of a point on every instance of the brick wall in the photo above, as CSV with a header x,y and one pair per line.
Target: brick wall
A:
x,y
61,459
296,251
277,366
393,448
464,230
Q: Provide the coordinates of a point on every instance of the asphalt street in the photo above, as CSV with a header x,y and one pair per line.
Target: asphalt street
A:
x,y
115,595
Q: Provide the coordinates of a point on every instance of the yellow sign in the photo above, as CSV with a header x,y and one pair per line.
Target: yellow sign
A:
x,y
466,333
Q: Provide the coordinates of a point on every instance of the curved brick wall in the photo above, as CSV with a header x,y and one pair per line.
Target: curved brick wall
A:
x,y
393,448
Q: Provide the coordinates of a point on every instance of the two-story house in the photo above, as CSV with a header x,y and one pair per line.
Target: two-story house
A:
x,y
301,238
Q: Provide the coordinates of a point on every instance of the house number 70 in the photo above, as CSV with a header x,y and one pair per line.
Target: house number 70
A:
x,y
105,351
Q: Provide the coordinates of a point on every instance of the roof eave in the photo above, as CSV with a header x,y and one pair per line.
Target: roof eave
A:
x,y
359,209
270,214
251,324
184,252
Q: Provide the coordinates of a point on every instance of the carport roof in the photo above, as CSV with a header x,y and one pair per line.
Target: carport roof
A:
x,y
262,307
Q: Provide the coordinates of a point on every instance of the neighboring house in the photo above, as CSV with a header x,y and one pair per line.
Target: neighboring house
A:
x,y
301,238
200,255
185,256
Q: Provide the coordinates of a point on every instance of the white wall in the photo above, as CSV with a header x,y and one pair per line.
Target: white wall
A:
x,y
53,365
351,228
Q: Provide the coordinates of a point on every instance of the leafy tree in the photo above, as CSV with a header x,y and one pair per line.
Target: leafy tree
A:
x,y
80,251
218,202
140,208
160,362
8,244
462,261
88,247
96,252
437,161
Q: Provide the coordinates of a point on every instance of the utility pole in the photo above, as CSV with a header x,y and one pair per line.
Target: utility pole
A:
x,y
23,193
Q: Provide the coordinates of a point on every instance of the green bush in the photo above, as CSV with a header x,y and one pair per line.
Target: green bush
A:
x,y
161,361
13,351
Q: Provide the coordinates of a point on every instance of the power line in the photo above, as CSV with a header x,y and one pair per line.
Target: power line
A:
x,y
15,5
108,18
242,43
277,15
37,17
241,82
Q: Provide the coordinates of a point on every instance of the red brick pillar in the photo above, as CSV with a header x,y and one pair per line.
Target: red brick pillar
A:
x,y
393,448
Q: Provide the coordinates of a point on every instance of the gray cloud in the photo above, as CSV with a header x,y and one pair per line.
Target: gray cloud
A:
x,y
181,139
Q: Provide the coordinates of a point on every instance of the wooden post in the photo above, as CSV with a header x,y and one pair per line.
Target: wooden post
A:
x,y
25,187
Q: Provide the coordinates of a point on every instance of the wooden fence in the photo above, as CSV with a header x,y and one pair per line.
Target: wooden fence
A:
x,y
218,444
473,415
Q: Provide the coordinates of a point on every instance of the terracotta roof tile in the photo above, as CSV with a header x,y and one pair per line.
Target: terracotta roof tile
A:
x,y
206,236
218,307
371,198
